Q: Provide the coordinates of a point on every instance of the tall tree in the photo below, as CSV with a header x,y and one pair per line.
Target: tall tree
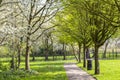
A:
x,y
36,13
76,23
100,29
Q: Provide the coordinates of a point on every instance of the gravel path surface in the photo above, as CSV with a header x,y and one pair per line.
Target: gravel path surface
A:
x,y
75,73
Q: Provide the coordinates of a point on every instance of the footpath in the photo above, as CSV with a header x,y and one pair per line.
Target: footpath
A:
x,y
75,73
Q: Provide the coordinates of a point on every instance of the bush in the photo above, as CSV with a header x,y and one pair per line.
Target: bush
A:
x,y
16,75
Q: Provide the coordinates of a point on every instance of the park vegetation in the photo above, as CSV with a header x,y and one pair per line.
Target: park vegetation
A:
x,y
55,29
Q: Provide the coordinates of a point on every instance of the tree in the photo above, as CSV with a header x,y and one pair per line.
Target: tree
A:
x,y
36,15
92,23
76,23
100,29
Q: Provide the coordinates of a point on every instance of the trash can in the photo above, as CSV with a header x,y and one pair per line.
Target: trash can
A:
x,y
89,64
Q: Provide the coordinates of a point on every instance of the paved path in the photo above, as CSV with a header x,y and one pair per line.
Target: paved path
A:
x,y
75,73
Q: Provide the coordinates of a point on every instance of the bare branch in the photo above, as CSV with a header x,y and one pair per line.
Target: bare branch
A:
x,y
44,32
43,20
22,12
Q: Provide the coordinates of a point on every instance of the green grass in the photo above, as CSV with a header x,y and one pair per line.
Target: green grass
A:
x,y
54,70
47,70
109,70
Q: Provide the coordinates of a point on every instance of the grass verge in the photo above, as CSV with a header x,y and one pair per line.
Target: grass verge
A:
x,y
46,70
109,70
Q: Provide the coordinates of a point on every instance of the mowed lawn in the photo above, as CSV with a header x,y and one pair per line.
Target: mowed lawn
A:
x,y
46,70
109,70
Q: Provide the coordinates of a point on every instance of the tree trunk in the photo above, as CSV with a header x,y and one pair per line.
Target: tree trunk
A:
x,y
87,53
19,52
63,52
12,62
74,53
113,52
79,52
105,50
104,53
116,53
19,59
27,65
64,56
33,55
53,57
84,56
53,53
97,67
46,55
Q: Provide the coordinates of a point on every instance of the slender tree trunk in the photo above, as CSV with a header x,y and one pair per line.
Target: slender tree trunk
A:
x,y
12,63
27,65
64,56
105,50
33,55
79,53
116,49
97,67
53,57
87,53
53,54
56,55
16,63
46,55
46,48
63,52
73,50
84,55
116,53
19,52
113,52
19,59
104,53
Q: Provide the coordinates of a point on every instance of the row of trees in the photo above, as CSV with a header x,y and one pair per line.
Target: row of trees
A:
x,y
23,22
89,23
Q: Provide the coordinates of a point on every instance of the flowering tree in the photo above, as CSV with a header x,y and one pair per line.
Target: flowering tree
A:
x,y
36,14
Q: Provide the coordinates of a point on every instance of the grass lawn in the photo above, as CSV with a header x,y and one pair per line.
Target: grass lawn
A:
x,y
109,70
54,70
47,70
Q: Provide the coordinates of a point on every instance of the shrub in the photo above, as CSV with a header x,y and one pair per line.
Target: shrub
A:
x,y
16,75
